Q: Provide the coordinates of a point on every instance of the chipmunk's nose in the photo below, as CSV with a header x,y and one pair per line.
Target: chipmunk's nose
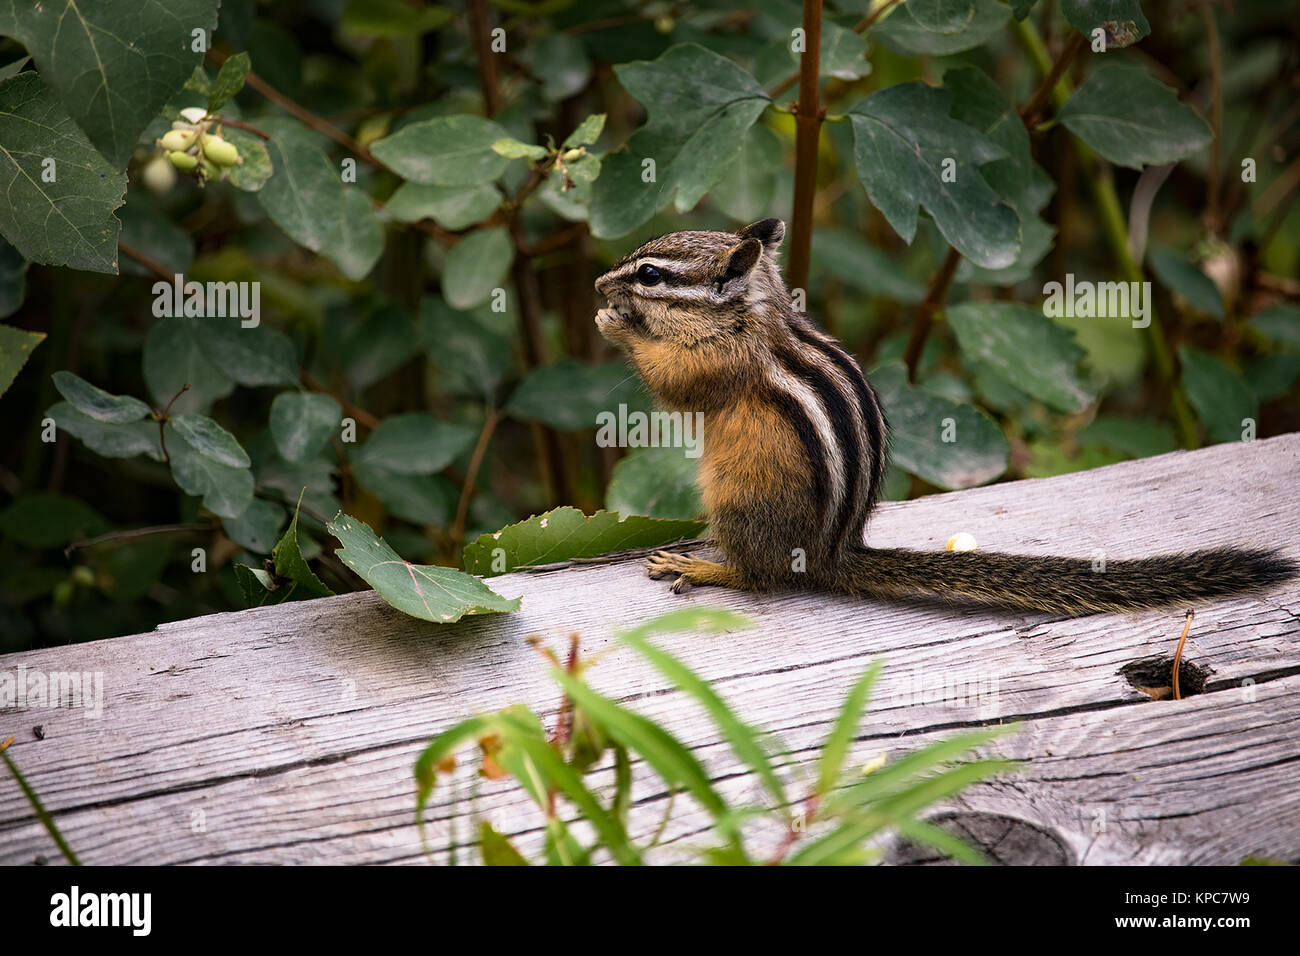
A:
x,y
604,284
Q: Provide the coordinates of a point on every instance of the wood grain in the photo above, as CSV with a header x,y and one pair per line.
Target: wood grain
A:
x,y
288,734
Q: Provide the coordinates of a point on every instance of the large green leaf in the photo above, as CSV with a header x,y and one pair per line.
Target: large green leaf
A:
x,y
96,402
112,440
257,527
1026,348
114,63
699,105
933,31
569,394
302,423
1219,393
919,421
306,197
476,266
474,356
1132,119
445,151
656,482
443,595
1182,276
67,222
453,207
226,490
250,356
746,190
176,355
1122,20
854,261
1023,184
565,533
415,444
16,346
904,143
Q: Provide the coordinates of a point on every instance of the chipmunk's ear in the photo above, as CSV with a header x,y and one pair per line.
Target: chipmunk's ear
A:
x,y
769,232
738,260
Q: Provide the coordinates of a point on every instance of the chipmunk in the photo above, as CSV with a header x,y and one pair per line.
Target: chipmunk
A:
x,y
795,445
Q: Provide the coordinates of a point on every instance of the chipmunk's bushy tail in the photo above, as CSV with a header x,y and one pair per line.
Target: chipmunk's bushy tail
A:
x,y
1064,585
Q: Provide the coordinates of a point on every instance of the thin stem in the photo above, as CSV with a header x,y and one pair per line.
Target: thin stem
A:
x,y
1032,110
355,411
240,124
933,302
134,533
162,417
471,478
153,265
808,124
859,27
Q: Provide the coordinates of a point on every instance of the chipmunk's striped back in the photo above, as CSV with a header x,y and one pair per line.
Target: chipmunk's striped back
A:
x,y
795,446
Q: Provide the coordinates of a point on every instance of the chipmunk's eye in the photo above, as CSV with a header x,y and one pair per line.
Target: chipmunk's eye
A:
x,y
649,275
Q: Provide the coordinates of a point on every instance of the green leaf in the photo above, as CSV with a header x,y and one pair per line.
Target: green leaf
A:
x,y
1132,119
96,402
445,151
831,762
903,31
16,346
257,527
226,489
393,18
293,579
700,105
308,200
114,64
442,595
474,356
587,133
1271,376
253,173
560,61
1122,20
250,356
47,519
570,395
1137,439
565,533
904,142
110,440
743,739
415,444
230,80
1023,184
1279,322
208,438
512,148
1026,348
420,499
176,355
302,423
1219,393
860,265
476,266
746,190
67,222
496,849
13,281
918,422
1180,275
655,745
656,482
942,16
452,207
40,812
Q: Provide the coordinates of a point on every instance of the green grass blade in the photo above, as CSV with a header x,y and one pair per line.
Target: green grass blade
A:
x,y
42,814
836,747
740,736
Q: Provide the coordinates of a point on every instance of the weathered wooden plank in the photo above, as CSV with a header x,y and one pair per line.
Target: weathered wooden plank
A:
x,y
287,734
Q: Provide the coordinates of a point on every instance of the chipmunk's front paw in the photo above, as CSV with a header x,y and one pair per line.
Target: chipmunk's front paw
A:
x,y
663,563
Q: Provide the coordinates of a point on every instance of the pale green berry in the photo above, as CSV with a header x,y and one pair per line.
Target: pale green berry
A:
x,y
177,140
219,151
183,161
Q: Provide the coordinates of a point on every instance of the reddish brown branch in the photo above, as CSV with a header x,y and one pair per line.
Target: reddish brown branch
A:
x,y
934,299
